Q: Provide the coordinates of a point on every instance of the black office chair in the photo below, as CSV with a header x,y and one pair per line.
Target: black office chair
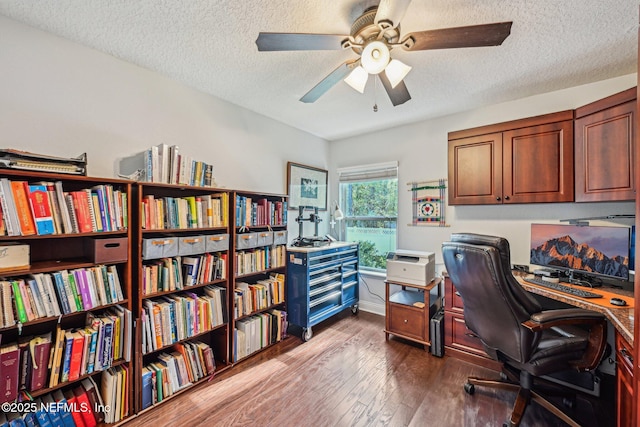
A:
x,y
513,327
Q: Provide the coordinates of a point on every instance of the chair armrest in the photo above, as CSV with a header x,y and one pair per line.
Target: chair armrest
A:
x,y
575,316
568,316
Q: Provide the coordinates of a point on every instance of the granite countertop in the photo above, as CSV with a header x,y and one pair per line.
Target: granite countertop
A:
x,y
620,317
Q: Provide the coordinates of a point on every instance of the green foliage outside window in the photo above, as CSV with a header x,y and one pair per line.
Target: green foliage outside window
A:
x,y
371,210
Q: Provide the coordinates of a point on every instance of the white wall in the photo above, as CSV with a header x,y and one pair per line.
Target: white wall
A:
x,y
421,151
61,98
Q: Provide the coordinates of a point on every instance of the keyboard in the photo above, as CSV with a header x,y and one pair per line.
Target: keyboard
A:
x,y
562,288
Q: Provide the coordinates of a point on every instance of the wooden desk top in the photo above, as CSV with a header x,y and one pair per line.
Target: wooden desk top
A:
x,y
620,317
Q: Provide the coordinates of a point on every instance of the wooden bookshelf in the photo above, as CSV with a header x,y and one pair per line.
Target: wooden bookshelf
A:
x,y
63,254
259,238
167,237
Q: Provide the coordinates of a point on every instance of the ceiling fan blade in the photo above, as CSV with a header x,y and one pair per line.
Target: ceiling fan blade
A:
x,y
447,38
391,10
299,41
328,82
399,94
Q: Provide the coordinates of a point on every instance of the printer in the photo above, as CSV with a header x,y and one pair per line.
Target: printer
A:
x,y
412,267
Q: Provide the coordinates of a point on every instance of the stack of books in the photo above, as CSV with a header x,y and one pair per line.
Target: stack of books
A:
x,y
164,164
17,159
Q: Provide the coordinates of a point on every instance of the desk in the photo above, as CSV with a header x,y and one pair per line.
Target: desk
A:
x,y
620,317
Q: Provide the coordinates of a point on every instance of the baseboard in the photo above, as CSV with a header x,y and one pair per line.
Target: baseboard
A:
x,y
371,307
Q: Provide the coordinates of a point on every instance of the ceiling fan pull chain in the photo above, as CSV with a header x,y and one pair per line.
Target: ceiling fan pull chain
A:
x,y
375,95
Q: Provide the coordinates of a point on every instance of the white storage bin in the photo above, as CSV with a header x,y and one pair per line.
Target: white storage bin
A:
x,y
216,242
280,237
191,245
246,241
159,247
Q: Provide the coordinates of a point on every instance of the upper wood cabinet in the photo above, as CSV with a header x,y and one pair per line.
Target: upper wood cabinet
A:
x,y
604,149
523,161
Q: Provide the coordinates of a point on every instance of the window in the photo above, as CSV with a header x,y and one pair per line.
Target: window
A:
x,y
369,201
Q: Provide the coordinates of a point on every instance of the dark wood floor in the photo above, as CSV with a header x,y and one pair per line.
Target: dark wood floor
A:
x,y
348,375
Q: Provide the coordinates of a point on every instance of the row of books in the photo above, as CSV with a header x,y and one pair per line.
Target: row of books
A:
x,y
256,332
260,259
207,210
176,273
249,298
169,319
163,163
262,211
37,362
80,405
45,208
43,295
188,363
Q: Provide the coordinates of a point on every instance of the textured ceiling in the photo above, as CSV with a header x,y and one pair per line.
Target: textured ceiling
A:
x,y
210,46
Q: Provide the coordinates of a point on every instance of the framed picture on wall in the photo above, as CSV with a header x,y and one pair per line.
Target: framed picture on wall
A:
x,y
306,186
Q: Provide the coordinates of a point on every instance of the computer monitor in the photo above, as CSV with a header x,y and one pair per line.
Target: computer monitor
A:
x,y
589,250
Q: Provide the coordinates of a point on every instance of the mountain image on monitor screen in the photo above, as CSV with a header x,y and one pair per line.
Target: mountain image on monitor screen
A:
x,y
565,252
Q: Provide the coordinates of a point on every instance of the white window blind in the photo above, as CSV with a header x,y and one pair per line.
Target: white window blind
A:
x,y
368,172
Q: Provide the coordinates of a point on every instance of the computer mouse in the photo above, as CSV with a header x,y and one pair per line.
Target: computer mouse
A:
x,y
617,301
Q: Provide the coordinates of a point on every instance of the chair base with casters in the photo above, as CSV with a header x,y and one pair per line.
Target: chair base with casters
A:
x,y
522,384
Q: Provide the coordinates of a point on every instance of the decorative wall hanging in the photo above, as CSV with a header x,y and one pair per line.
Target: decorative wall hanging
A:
x,y
429,202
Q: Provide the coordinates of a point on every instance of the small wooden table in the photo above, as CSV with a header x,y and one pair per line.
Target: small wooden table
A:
x,y
409,308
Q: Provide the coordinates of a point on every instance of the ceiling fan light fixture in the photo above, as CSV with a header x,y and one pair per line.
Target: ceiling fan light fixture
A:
x,y
357,79
396,71
375,57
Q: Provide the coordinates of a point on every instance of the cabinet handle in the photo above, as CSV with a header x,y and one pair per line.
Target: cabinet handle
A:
x,y
406,321
458,294
506,197
471,334
626,355
498,198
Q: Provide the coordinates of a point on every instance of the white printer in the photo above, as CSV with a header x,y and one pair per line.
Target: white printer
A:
x,y
413,267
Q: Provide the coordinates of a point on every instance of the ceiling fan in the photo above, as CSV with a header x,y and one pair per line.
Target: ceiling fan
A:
x,y
373,35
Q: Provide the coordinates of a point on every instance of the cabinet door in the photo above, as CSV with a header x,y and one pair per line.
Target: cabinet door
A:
x,y
538,163
624,383
475,170
604,154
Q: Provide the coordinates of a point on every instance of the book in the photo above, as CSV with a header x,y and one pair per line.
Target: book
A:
x,y
39,349
95,399
54,412
9,210
9,372
77,351
87,413
56,357
82,211
62,293
63,405
66,356
25,363
41,209
147,387
20,191
65,215
42,416
17,296
8,316
73,403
